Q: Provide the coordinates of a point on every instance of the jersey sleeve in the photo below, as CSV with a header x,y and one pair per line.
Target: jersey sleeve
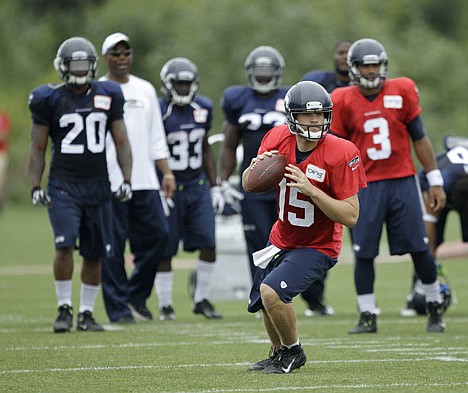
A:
x,y
411,105
39,107
338,121
348,173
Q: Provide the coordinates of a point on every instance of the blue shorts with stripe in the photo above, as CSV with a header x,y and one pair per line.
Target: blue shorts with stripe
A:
x,y
81,211
290,273
396,203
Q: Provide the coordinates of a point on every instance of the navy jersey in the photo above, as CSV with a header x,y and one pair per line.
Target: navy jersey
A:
x,y
186,127
254,115
452,165
77,126
326,78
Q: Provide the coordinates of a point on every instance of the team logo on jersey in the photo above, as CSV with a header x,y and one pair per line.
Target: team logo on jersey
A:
x,y
279,106
102,102
315,173
133,104
200,115
354,161
393,102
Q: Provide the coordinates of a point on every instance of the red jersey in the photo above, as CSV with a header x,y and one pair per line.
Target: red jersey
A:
x,y
379,127
4,130
334,167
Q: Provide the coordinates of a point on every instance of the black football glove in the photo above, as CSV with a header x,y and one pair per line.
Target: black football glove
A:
x,y
124,192
39,197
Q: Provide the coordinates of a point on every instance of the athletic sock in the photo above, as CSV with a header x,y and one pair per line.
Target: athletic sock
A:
x,y
88,296
205,272
163,285
63,290
432,292
366,303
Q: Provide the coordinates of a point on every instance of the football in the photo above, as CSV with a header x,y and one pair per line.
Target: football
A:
x,y
265,175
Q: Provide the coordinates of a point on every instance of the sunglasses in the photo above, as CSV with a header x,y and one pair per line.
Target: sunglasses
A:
x,y
115,53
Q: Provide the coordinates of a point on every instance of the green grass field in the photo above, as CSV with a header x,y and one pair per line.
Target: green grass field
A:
x,y
192,354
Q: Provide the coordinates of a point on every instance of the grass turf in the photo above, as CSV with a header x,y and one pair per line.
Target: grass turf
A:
x,y
192,354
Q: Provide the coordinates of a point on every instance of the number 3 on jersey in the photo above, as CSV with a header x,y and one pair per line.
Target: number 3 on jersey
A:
x,y
95,127
383,150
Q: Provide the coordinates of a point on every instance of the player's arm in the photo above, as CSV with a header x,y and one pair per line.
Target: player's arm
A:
x,y
426,156
37,152
168,183
209,162
228,150
344,211
123,149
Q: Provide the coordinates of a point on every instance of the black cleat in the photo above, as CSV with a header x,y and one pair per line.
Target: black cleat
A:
x,y
286,360
167,313
207,309
64,320
86,323
367,324
262,364
141,312
435,324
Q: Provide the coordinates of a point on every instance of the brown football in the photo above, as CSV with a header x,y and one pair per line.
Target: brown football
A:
x,y
265,175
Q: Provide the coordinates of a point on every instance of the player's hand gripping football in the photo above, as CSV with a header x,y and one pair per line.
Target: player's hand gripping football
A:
x,y
124,192
299,180
39,197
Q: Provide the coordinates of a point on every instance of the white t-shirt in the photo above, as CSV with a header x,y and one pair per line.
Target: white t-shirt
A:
x,y
145,129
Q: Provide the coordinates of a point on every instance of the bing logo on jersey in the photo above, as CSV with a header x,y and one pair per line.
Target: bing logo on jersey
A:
x,y
315,173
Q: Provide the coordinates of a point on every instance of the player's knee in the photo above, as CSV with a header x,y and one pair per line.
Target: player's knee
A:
x,y
269,295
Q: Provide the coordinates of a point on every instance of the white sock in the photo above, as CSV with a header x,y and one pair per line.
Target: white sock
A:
x,y
63,290
205,272
292,345
88,297
432,292
163,284
366,303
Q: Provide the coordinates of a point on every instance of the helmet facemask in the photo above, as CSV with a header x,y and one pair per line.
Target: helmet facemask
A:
x,y
264,77
309,131
364,82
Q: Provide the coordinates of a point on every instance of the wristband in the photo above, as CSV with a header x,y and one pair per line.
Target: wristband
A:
x,y
434,178
169,176
429,218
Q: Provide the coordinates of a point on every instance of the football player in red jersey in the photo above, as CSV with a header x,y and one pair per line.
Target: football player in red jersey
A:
x,y
315,198
382,117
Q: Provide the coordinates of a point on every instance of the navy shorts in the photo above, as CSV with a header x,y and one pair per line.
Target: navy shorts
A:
x,y
192,220
81,211
396,203
290,273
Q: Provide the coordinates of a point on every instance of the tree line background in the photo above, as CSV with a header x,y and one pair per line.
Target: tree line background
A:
x,y
426,40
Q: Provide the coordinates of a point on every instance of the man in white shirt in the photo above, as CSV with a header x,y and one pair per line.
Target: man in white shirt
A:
x,y
142,219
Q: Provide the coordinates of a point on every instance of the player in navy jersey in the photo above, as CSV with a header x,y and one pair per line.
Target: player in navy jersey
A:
x,y
339,77
453,165
76,116
187,120
316,197
250,112
382,117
